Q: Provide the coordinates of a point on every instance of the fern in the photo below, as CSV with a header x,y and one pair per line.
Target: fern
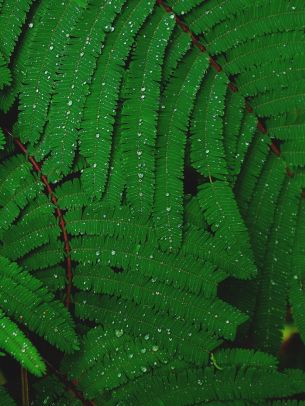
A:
x,y
152,201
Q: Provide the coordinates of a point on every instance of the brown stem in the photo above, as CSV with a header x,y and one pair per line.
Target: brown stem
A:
x,y
59,215
25,387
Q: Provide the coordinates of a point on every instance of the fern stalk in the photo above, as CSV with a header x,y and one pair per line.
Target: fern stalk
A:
x,y
59,214
25,387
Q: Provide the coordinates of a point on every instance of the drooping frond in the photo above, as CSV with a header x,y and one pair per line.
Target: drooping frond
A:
x,y
13,196
222,213
178,100
12,17
36,306
15,343
274,277
85,42
140,111
97,125
43,67
208,155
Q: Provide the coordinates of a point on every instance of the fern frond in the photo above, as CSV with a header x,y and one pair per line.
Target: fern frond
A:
x,y
18,187
178,46
211,14
232,263
53,278
139,113
254,21
43,66
251,54
233,121
65,112
22,239
47,255
5,74
12,17
97,125
178,100
287,126
207,149
221,318
222,213
238,357
296,280
15,343
248,133
274,277
23,296
181,337
261,213
192,386
279,101
251,169
71,194
21,57
110,357
178,271
105,220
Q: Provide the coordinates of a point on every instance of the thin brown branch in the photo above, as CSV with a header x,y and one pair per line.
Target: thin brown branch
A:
x,y
59,214
24,387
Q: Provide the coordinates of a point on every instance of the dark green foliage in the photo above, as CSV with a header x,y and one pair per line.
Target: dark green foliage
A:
x,y
158,194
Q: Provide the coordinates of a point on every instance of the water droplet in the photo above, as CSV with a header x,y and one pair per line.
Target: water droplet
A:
x,y
119,333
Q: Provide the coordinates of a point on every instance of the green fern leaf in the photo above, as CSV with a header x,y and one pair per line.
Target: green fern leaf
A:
x,y
24,296
139,114
16,344
97,125
173,123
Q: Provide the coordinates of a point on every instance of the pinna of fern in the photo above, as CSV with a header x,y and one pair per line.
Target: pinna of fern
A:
x,y
116,101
